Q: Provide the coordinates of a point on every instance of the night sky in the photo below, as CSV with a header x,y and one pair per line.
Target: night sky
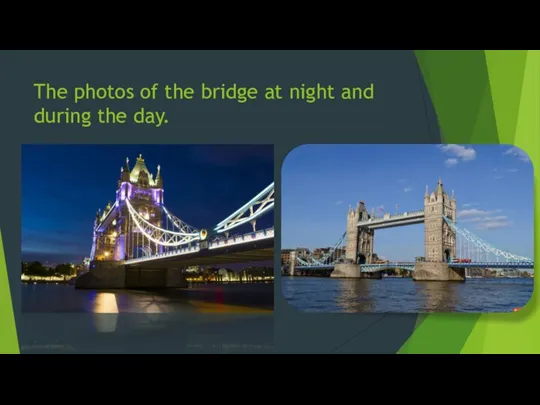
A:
x,y
63,186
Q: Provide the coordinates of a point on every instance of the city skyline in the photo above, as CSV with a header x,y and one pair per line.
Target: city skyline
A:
x,y
493,185
63,186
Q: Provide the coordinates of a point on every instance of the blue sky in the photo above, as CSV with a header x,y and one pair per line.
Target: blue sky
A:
x,y
493,186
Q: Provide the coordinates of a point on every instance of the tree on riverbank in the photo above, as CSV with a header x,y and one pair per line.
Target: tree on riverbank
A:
x,y
38,270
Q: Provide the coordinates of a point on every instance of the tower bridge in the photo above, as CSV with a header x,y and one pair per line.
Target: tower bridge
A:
x,y
138,242
448,249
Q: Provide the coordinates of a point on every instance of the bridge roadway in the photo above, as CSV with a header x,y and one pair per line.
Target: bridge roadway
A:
x,y
255,251
165,270
391,221
411,265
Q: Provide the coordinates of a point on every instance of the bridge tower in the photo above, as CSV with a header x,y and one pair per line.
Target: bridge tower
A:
x,y
439,239
359,244
116,236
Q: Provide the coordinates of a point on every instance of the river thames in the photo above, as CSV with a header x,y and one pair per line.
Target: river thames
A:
x,y
403,295
200,298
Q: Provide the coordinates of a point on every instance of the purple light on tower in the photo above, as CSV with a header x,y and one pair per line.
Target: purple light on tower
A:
x,y
155,195
120,248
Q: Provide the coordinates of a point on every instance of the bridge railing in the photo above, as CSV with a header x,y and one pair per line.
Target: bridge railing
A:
x,y
387,217
239,239
176,252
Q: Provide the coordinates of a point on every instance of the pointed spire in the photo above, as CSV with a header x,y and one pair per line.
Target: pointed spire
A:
x,y
440,189
159,180
124,172
453,197
427,193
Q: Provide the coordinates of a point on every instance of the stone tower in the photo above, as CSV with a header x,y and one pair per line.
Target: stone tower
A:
x,y
116,235
439,239
359,247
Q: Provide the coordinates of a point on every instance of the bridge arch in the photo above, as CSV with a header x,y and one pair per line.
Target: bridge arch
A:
x,y
361,258
447,255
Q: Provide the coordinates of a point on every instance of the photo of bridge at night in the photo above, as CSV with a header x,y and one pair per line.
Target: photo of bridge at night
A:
x,y
142,251
468,249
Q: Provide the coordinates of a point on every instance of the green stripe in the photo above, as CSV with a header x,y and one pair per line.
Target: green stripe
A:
x,y
8,337
440,334
515,332
459,86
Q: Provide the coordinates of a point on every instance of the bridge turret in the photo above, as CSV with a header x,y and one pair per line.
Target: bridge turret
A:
x,y
453,207
440,190
361,211
124,175
159,179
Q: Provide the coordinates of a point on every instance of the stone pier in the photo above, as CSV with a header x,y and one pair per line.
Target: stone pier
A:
x,y
104,275
292,263
352,270
437,271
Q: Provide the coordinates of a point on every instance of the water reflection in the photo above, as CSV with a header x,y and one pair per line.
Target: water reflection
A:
x,y
354,296
105,311
399,295
437,296
105,303
229,298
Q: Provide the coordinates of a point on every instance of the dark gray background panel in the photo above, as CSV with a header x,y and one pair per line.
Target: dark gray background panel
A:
x,y
400,113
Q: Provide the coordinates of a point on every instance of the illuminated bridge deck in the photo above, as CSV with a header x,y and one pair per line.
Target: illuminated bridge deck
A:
x,y
251,247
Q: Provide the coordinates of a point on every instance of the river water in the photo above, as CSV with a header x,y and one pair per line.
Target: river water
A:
x,y
394,295
202,298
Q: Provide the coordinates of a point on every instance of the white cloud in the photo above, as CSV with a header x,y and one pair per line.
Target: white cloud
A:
x,y
513,170
475,212
339,202
450,162
485,222
517,153
459,152
486,219
498,177
407,189
469,205
493,225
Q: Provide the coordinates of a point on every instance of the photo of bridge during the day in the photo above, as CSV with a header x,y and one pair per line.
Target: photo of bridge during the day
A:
x,y
147,228
407,228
